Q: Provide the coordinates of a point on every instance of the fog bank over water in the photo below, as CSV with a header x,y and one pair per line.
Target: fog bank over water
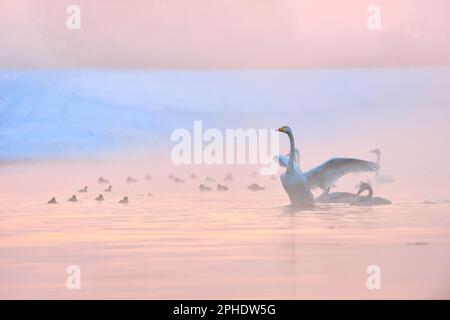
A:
x,y
97,114
224,34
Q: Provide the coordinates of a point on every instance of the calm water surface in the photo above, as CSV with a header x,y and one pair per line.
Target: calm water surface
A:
x,y
181,243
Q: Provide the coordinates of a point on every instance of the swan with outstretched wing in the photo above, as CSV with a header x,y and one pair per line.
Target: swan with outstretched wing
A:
x,y
323,176
326,174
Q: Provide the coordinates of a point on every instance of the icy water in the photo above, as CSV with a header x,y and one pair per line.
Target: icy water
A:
x,y
183,244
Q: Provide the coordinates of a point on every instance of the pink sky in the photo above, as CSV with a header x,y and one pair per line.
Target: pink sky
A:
x,y
224,33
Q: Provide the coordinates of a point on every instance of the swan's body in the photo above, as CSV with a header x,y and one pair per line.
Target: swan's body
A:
x,y
295,184
381,178
369,200
337,197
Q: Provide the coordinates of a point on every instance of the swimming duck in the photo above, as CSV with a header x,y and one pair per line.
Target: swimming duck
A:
x,y
52,201
73,199
255,187
100,198
102,180
124,200
221,187
131,180
202,187
85,189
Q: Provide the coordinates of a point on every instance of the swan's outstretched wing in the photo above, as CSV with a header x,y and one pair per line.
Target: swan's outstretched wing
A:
x,y
327,173
282,160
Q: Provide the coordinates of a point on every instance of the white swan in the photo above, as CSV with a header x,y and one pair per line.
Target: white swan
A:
x,y
381,178
325,175
293,180
369,200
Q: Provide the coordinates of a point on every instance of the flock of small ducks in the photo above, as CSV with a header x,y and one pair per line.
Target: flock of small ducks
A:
x,y
100,197
202,187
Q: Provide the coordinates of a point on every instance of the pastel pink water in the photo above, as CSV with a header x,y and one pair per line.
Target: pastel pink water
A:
x,y
182,243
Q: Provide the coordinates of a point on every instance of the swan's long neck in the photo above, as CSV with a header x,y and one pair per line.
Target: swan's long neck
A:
x,y
378,157
369,188
290,167
377,173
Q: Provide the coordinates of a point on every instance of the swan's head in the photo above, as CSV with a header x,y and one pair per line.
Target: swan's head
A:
x,y
376,151
363,187
285,129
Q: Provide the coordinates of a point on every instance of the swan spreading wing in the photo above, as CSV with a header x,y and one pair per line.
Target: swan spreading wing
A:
x,y
324,175
282,160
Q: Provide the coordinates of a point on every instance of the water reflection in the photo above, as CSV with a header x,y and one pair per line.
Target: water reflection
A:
x,y
233,244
